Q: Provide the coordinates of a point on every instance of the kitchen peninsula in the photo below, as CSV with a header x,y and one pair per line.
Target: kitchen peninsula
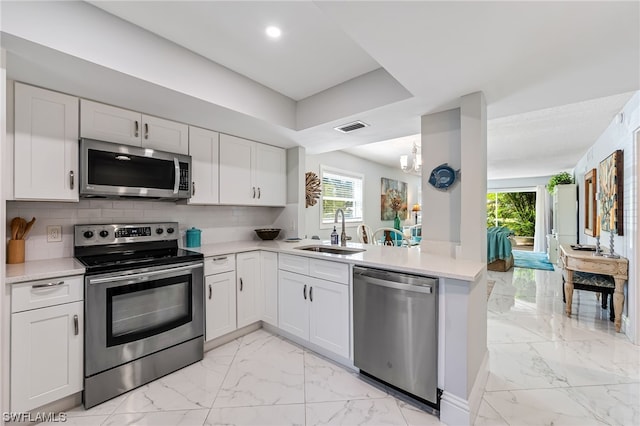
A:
x,y
461,297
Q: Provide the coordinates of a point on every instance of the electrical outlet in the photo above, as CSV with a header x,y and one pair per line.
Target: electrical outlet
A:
x,y
54,233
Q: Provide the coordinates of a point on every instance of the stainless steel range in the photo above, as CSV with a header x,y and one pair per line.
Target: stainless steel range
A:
x,y
144,301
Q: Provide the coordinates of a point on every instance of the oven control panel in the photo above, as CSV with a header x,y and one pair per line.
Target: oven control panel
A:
x,y
101,234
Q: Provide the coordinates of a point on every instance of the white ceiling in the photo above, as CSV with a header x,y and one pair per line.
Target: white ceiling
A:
x,y
541,65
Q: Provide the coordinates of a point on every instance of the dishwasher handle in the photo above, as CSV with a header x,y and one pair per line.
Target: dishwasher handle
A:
x,y
416,284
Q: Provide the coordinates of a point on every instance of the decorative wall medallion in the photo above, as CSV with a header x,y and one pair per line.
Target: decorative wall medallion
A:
x,y
312,189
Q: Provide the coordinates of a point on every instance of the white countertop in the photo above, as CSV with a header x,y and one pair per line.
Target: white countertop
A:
x,y
43,269
402,259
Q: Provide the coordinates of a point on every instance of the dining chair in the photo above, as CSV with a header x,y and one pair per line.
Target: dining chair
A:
x,y
389,237
365,234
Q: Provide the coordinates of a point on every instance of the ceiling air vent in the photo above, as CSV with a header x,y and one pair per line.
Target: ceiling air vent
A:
x,y
350,127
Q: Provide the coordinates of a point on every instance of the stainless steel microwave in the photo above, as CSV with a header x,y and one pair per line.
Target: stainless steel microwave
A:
x,y
109,170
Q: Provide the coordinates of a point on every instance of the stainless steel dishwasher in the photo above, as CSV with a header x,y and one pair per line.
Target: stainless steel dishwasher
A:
x,y
395,320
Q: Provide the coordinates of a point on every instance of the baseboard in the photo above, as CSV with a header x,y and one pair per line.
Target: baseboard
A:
x,y
315,348
224,339
458,411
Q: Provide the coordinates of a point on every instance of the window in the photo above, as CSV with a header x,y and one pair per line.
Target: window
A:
x,y
340,190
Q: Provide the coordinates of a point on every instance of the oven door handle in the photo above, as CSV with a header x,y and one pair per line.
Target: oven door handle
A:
x,y
143,276
176,183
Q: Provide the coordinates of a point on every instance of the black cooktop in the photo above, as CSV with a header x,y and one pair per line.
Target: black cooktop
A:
x,y
120,259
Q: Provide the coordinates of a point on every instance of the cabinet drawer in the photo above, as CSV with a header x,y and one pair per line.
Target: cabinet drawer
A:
x,y
331,271
218,264
40,294
298,264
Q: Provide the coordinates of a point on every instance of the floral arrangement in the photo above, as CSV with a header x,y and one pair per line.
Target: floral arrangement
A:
x,y
396,201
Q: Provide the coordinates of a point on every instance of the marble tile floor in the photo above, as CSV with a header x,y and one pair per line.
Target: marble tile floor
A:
x,y
545,368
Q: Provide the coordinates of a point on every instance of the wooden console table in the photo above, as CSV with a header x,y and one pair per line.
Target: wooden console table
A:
x,y
585,261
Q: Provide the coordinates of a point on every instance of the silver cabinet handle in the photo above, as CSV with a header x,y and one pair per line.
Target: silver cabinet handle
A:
x,y
71,179
136,131
210,291
146,130
254,192
76,326
427,289
143,276
218,259
258,192
240,284
176,182
193,188
311,294
304,292
47,285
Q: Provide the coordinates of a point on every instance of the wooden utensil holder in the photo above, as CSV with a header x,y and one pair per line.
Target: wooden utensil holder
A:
x,y
15,251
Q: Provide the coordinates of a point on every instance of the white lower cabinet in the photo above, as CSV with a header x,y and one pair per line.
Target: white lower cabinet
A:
x,y
269,275
220,295
249,288
313,309
329,315
46,355
293,310
220,304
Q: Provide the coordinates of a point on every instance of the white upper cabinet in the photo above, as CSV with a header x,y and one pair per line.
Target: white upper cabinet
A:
x,y
203,148
164,135
45,145
270,175
118,125
110,124
251,173
235,170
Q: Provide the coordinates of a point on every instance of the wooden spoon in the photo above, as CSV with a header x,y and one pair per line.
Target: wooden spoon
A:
x,y
21,228
15,225
28,227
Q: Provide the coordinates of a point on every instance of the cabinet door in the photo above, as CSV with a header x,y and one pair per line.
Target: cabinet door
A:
x,y
45,145
270,175
220,304
293,306
165,135
203,148
110,124
235,171
269,275
46,355
249,291
329,316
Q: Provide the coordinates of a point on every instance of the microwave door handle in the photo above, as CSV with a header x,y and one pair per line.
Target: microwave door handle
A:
x,y
176,183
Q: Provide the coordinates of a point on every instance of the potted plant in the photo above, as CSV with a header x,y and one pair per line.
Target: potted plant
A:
x,y
559,179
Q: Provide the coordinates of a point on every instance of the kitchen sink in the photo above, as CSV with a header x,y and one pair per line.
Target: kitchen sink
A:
x,y
331,249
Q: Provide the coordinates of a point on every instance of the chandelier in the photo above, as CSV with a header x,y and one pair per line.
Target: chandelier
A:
x,y
411,163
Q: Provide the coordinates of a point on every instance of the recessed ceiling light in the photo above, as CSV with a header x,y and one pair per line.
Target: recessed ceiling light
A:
x,y
273,32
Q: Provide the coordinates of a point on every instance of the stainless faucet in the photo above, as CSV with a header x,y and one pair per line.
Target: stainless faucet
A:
x,y
343,234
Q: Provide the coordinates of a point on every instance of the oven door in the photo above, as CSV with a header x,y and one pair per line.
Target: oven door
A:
x,y
135,313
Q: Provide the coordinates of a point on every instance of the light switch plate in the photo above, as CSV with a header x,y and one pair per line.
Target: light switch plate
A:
x,y
54,233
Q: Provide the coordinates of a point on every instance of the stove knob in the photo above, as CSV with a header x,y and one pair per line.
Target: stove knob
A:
x,y
159,231
88,234
104,233
170,230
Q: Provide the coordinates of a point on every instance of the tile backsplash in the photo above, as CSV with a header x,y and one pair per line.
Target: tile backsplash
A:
x,y
218,223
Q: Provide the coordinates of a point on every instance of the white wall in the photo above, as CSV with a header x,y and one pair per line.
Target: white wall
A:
x,y
218,223
372,173
619,136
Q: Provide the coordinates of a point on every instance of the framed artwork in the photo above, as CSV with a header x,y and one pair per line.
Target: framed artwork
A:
x,y
393,197
610,183
590,204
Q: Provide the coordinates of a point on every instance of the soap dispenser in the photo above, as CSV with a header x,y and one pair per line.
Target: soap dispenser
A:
x,y
334,236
